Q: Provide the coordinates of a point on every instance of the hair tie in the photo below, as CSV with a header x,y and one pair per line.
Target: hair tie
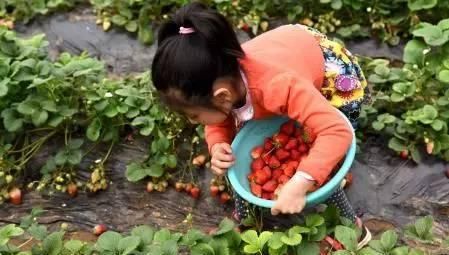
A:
x,y
186,30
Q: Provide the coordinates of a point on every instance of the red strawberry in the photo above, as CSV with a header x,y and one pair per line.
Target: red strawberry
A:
x,y
283,179
404,154
188,187
268,195
298,132
195,192
308,135
292,144
278,172
293,164
282,154
270,186
260,177
256,189
257,152
267,171
214,190
224,197
257,164
283,166
288,127
99,229
295,154
266,158
72,189
274,162
268,144
15,196
336,245
251,177
303,148
289,171
280,140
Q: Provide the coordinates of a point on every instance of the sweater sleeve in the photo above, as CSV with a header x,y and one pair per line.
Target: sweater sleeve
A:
x,y
219,133
301,101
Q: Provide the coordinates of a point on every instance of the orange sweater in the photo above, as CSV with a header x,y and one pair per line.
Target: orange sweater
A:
x,y
285,70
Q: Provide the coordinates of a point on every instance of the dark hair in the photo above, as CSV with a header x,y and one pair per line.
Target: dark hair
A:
x,y
190,63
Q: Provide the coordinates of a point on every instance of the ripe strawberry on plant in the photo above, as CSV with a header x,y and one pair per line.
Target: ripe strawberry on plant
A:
x,y
224,197
257,164
72,189
288,127
270,186
404,154
274,162
291,144
99,229
195,192
256,189
15,196
214,190
257,152
282,154
188,187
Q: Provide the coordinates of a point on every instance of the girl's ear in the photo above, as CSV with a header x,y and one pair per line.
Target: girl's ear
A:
x,y
222,96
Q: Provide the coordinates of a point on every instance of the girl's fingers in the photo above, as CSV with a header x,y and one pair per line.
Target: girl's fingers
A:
x,y
224,157
223,164
274,211
227,148
217,171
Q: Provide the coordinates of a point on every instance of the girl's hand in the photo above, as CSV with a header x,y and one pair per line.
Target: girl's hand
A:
x,y
292,197
222,158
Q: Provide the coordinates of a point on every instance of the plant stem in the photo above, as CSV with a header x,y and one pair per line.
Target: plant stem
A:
x,y
108,153
26,242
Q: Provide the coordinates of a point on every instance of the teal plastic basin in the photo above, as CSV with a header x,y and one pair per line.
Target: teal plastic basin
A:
x,y
253,134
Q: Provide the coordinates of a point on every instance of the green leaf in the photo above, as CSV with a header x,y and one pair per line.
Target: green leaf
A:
x,y
154,170
292,239
109,241
432,35
39,232
395,97
413,52
220,248
416,5
250,237
128,244
264,237
423,226
9,231
397,144
135,172
162,235
389,240
275,241
377,125
251,249
347,237
226,225
415,252
416,155
49,106
342,252
145,233
55,121
202,249
28,107
170,247
403,250
119,20
437,125
74,157
53,243
145,34
39,118
94,130
309,248
74,246
4,87
443,76
131,26
314,220
192,237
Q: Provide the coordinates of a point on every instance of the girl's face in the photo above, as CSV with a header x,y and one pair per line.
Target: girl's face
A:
x,y
226,93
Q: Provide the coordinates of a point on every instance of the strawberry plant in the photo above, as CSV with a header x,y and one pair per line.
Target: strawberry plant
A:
x,y
73,99
223,240
410,102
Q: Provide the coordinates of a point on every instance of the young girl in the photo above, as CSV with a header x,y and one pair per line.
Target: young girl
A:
x,y
202,71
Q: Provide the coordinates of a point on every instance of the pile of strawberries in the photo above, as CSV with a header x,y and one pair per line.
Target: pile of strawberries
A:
x,y
276,161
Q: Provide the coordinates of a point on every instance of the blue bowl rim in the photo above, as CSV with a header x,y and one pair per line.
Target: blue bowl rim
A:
x,y
312,197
